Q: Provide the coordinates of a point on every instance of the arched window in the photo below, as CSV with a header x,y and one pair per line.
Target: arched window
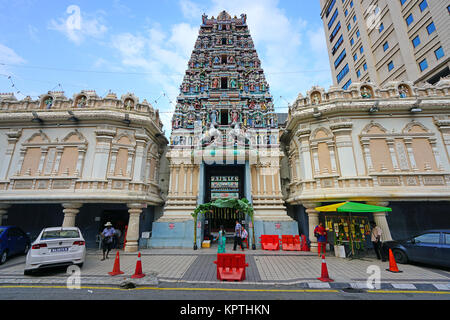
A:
x,y
47,103
367,92
81,101
404,91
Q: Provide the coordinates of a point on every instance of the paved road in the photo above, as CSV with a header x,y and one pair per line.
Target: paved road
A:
x,y
207,293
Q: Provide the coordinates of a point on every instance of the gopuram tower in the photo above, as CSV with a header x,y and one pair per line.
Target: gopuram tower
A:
x,y
224,141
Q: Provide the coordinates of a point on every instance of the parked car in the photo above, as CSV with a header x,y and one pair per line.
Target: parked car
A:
x,y
13,241
55,247
429,247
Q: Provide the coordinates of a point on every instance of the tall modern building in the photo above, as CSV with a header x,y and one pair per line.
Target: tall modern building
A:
x,y
387,40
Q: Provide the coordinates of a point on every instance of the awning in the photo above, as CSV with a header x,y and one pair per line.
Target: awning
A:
x,y
352,207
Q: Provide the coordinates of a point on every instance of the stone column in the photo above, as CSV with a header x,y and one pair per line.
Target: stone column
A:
x,y
380,220
3,211
135,210
13,137
70,212
313,221
390,143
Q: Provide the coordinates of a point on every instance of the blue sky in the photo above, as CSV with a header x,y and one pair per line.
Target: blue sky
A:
x,y
143,46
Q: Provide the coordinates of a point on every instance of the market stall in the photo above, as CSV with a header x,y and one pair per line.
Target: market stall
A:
x,y
347,230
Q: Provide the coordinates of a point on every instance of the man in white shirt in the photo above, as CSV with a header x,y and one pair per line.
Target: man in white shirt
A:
x,y
376,239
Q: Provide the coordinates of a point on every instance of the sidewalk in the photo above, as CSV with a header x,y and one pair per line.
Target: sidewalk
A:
x,y
265,268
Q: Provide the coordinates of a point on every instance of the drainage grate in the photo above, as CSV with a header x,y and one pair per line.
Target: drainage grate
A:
x,y
353,290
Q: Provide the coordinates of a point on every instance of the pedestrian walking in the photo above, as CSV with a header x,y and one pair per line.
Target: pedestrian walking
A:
x,y
116,238
244,235
107,239
221,240
321,234
237,236
376,239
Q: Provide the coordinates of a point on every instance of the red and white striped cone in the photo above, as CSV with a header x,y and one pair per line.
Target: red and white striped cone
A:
x,y
138,273
324,277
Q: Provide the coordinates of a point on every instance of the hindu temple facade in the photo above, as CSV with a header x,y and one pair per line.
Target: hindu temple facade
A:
x,y
80,161
225,139
385,146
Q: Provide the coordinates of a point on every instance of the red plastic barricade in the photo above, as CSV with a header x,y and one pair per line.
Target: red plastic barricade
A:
x,y
304,243
290,243
231,267
270,242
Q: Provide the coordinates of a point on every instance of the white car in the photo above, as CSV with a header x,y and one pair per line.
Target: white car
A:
x,y
56,247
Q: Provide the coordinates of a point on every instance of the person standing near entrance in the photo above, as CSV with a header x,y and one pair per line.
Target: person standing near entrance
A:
x,y
237,236
107,239
222,240
244,235
321,234
376,239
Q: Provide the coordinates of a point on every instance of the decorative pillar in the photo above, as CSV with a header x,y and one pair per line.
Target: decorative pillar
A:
x,y
332,157
313,221
305,154
81,154
130,162
315,152
23,151
3,210
437,156
44,152
344,148
59,150
391,146
13,137
135,210
408,143
104,136
70,212
367,157
381,221
140,163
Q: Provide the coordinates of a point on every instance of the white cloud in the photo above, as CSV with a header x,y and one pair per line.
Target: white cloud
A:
x,y
78,26
190,9
163,55
9,56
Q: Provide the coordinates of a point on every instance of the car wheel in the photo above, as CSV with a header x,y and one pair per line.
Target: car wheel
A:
x,y
400,256
27,272
80,265
3,257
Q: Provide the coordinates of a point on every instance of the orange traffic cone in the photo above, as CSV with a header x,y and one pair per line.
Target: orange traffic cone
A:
x,y
392,264
324,277
138,273
116,268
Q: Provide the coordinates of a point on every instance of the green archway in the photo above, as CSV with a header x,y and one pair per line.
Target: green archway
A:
x,y
242,205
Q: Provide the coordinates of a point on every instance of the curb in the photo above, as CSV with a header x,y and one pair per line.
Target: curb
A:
x,y
151,280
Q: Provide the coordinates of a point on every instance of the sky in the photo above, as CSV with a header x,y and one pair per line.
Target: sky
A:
x,y
143,47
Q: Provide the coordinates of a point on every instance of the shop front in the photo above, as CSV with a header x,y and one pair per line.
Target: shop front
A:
x,y
348,227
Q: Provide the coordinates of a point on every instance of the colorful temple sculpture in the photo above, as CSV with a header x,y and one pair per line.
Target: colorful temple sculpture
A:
x,y
225,139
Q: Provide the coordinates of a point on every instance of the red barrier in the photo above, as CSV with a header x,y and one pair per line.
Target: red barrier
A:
x,y
304,243
297,245
290,243
231,267
270,242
